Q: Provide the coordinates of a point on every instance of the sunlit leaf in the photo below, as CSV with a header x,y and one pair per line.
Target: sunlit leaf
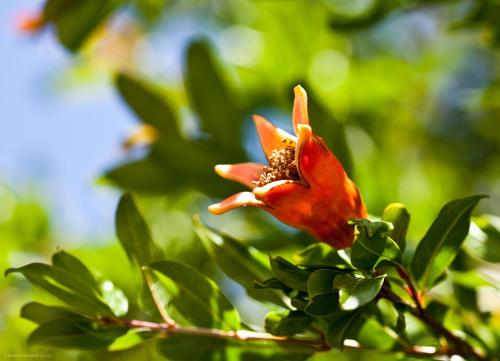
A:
x,y
134,234
195,297
356,292
246,265
287,323
442,241
290,274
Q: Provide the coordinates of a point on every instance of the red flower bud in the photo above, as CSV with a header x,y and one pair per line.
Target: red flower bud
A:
x,y
304,184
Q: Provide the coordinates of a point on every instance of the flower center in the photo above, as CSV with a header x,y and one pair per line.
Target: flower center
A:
x,y
281,167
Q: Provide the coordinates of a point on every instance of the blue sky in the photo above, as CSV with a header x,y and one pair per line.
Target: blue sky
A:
x,y
55,141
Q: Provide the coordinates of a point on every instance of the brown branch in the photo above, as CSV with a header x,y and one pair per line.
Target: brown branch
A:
x,y
460,347
310,344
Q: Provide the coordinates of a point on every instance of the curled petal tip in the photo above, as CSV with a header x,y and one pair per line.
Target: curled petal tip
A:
x,y
244,173
300,115
271,137
235,201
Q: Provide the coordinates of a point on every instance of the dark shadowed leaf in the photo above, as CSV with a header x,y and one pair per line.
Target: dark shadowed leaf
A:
x,y
344,326
198,348
148,105
68,287
356,292
134,233
74,334
320,254
211,98
76,20
287,323
442,241
243,264
288,273
193,296
73,265
323,298
40,313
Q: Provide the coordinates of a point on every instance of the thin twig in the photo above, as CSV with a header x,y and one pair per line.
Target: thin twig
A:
x,y
460,346
157,299
244,335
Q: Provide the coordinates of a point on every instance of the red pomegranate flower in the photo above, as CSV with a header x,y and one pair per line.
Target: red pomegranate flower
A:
x,y
304,184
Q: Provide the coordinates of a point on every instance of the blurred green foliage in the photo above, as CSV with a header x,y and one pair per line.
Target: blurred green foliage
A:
x,y
406,93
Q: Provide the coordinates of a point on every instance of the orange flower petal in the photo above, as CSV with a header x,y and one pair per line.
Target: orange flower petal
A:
x,y
235,201
315,162
300,115
244,173
271,137
283,199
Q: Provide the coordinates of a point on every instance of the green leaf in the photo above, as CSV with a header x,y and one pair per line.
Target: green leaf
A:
x,y
134,234
373,245
442,241
487,239
130,339
323,297
398,215
114,298
356,292
195,297
148,105
40,313
287,323
291,275
75,266
343,327
68,287
245,265
73,334
211,98
180,347
273,283
76,20
320,254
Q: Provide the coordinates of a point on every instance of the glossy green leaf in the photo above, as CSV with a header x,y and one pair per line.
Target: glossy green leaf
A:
x,y
356,292
148,105
398,215
73,265
373,245
40,313
287,323
321,254
323,297
76,20
144,175
487,238
73,334
343,327
180,347
290,274
211,98
245,265
442,241
134,234
68,287
114,298
195,297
